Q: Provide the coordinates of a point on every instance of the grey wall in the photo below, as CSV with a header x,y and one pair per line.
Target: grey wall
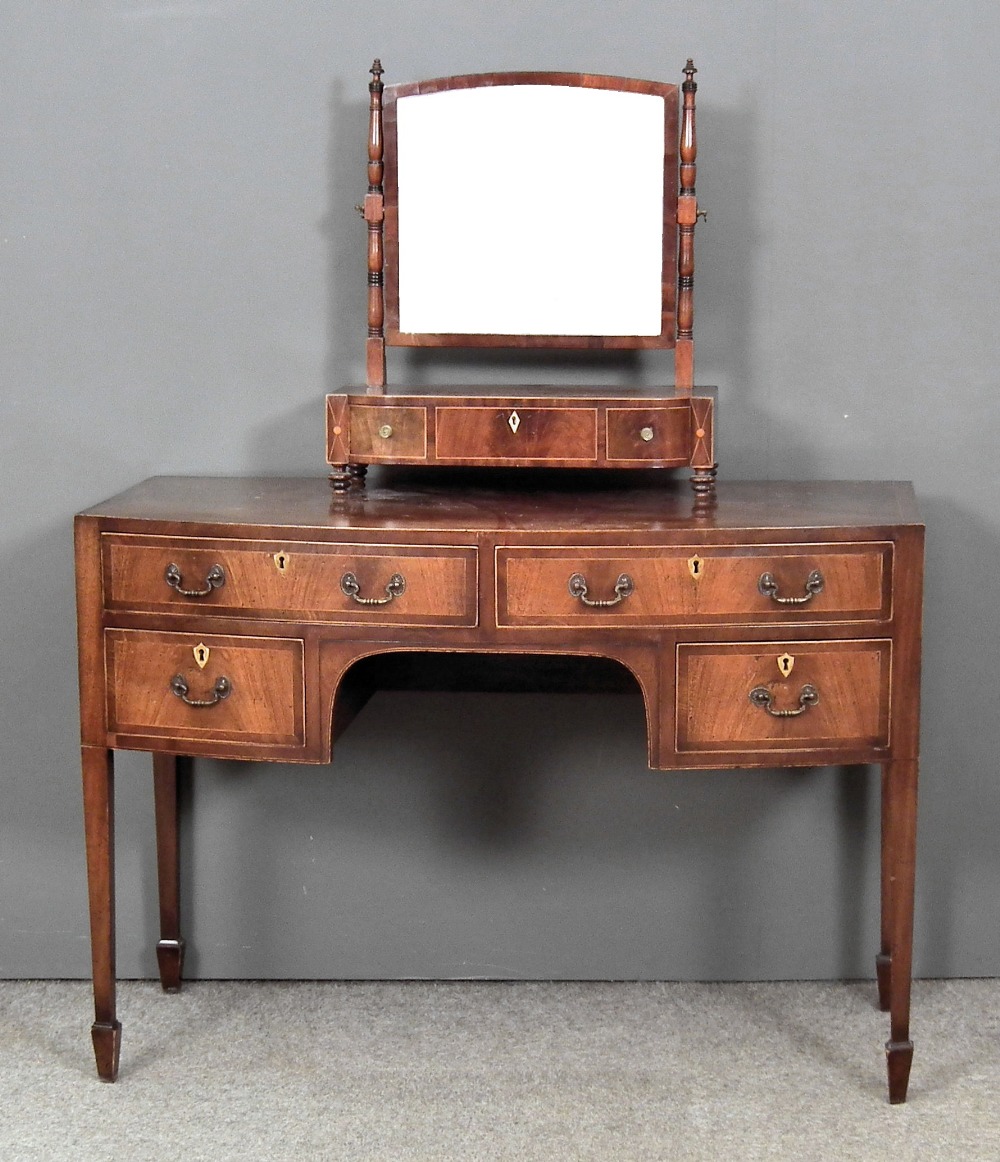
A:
x,y
183,280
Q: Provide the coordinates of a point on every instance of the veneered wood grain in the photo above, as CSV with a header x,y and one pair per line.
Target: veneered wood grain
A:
x,y
265,705
537,434
532,584
702,433
89,612
337,429
670,439
587,429
406,438
714,711
440,581
746,511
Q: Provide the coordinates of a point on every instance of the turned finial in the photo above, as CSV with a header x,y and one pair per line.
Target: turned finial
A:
x,y
689,71
376,71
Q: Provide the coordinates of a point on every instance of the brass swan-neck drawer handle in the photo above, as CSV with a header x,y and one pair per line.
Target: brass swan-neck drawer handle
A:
x,y
215,578
762,697
624,587
222,689
768,587
350,587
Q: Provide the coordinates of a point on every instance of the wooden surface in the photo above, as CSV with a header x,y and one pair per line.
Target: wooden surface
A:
x,y
573,504
713,710
780,588
580,430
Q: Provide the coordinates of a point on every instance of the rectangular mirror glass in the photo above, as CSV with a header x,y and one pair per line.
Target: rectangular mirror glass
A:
x,y
530,209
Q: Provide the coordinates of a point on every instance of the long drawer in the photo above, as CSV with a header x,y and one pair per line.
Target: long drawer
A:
x,y
242,690
343,584
777,696
608,586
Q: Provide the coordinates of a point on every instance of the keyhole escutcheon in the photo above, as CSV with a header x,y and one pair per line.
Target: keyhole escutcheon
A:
x,y
696,567
785,664
281,560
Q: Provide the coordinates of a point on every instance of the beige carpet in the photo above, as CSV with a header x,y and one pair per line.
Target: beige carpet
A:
x,y
399,1072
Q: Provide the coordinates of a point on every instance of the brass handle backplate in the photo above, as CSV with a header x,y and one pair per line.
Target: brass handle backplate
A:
x,y
222,689
350,587
762,697
768,587
624,587
385,431
215,578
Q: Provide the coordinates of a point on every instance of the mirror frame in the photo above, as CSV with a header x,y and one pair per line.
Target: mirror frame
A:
x,y
668,313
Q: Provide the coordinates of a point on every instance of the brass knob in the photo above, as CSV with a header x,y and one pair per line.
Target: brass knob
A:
x,y
646,434
385,431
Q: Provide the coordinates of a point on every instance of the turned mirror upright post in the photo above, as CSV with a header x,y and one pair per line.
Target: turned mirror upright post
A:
x,y
528,210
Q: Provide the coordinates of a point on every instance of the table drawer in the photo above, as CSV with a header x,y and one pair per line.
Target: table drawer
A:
x,y
516,435
650,435
380,432
539,586
407,584
783,695
241,690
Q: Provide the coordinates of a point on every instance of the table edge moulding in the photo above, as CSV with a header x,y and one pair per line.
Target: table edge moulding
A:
x,y
246,619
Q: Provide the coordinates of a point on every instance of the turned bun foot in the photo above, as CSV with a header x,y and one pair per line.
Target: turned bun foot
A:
x,y
344,477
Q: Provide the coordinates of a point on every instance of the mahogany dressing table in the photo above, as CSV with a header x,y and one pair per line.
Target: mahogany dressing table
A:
x,y
234,617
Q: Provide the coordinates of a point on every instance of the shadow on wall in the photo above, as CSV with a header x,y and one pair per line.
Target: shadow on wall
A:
x,y
39,675
450,818
958,874
43,921
730,282
345,234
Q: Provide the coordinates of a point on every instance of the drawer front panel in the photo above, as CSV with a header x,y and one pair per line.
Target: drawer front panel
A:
x,y
649,434
516,435
253,687
292,581
849,681
692,585
388,433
